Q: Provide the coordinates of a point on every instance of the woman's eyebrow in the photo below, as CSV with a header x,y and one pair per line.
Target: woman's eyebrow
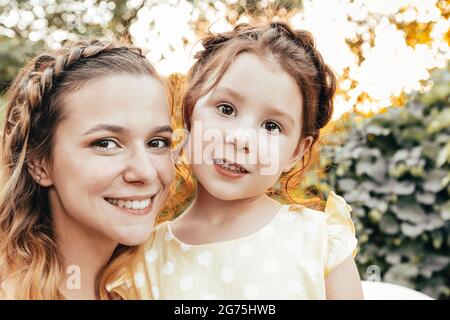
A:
x,y
106,127
121,130
163,129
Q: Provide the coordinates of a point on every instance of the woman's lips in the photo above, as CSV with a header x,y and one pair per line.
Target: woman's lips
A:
x,y
132,205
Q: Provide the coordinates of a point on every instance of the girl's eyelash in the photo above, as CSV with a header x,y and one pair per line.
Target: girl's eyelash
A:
x,y
280,127
218,106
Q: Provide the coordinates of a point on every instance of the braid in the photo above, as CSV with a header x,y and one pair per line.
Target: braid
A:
x,y
46,69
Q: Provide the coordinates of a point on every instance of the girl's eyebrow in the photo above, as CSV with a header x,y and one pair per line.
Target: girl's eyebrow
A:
x,y
276,112
228,91
121,130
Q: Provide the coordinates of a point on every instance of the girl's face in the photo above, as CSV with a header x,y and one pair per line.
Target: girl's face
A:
x,y
111,164
246,131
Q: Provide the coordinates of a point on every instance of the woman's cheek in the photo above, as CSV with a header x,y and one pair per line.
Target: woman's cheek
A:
x,y
166,172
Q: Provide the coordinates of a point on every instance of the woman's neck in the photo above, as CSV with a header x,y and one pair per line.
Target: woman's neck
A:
x,y
85,253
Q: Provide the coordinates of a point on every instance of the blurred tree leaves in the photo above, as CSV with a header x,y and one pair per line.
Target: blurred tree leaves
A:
x,y
31,28
395,173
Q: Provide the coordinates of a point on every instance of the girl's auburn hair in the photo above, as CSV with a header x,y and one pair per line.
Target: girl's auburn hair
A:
x,y
30,265
295,52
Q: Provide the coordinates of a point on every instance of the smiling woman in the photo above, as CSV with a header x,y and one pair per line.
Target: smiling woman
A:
x,y
87,163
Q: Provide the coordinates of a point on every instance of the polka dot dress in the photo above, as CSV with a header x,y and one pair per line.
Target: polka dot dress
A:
x,y
289,258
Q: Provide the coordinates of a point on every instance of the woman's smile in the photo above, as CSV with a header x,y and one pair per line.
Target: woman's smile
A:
x,y
134,205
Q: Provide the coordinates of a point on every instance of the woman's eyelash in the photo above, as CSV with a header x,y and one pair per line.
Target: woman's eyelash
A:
x,y
109,144
167,142
103,144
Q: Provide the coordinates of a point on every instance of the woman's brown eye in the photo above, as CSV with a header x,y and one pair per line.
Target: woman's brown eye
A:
x,y
105,144
226,109
158,143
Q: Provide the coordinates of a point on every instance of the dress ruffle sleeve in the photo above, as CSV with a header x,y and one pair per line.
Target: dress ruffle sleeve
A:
x,y
342,240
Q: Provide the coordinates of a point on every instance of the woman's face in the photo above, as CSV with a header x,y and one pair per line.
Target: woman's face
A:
x,y
111,165
246,131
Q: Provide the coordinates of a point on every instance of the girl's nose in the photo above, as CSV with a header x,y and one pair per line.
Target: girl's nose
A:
x,y
241,139
140,167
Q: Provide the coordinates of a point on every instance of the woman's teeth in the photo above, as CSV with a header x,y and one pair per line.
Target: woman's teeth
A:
x,y
130,204
231,167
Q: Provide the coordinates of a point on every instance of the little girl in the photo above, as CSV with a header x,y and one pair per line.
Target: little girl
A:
x,y
262,93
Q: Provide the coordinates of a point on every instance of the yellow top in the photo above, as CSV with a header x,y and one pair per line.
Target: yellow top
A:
x,y
289,258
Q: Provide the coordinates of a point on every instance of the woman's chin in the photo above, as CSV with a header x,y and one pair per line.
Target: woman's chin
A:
x,y
134,236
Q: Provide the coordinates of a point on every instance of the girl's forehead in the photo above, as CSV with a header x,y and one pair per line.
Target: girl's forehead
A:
x,y
254,80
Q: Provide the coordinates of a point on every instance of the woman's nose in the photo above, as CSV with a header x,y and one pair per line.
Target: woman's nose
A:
x,y
140,167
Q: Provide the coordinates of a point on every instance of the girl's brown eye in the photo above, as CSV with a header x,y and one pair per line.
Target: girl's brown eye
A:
x,y
271,126
226,109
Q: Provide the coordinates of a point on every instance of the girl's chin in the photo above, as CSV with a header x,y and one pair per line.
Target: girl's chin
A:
x,y
226,195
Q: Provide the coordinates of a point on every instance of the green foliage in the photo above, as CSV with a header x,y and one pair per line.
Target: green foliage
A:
x,y
14,54
73,17
393,169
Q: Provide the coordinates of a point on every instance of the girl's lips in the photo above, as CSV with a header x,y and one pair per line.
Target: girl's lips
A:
x,y
228,173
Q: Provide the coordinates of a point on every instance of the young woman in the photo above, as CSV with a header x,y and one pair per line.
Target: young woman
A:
x,y
256,101
86,166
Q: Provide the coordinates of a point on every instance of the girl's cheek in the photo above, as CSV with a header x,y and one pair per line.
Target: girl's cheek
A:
x,y
268,147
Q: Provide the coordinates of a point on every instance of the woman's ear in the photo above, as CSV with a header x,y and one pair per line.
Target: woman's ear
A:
x,y
299,152
40,172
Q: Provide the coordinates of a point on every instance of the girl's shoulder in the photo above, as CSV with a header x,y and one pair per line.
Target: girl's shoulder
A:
x,y
334,226
336,210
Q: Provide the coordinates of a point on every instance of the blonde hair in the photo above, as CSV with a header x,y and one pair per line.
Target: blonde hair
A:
x,y
30,264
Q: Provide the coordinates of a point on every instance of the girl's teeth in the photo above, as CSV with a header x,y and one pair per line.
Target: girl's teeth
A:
x,y
230,167
121,203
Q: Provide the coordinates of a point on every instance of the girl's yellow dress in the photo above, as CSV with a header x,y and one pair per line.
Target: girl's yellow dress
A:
x,y
289,258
